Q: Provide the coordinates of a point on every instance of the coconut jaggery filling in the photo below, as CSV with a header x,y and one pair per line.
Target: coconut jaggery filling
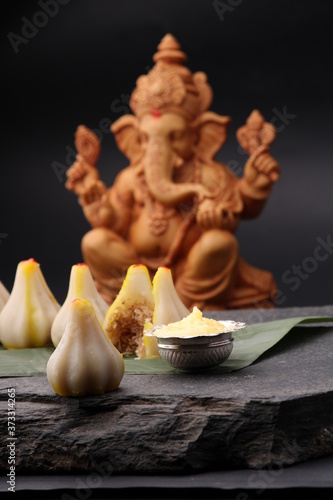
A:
x,y
126,329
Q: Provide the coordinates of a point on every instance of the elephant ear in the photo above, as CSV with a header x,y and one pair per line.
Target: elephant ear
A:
x,y
212,130
127,135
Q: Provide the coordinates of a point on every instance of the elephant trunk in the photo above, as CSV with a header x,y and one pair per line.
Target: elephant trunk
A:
x,y
160,162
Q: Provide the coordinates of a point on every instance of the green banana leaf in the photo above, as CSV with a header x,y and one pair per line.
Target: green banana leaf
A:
x,y
249,344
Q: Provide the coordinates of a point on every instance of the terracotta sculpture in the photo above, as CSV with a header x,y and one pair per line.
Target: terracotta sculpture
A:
x,y
175,205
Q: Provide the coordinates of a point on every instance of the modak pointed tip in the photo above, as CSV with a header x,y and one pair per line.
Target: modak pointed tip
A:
x,y
81,287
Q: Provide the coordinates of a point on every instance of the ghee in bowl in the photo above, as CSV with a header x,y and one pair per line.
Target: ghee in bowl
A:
x,y
195,342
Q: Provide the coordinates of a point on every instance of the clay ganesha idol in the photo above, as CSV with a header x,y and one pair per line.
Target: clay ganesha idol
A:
x,y
175,205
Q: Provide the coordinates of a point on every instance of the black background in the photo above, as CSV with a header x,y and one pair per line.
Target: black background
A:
x,y
80,65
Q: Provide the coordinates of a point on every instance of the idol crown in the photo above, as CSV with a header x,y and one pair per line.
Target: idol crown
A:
x,y
170,86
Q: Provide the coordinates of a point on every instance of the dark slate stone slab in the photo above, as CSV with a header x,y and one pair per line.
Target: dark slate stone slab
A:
x,y
276,412
258,315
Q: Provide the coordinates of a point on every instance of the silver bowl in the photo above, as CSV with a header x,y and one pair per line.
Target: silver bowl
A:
x,y
195,353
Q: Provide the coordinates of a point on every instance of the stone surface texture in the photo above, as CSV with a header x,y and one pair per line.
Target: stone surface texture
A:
x,y
276,412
